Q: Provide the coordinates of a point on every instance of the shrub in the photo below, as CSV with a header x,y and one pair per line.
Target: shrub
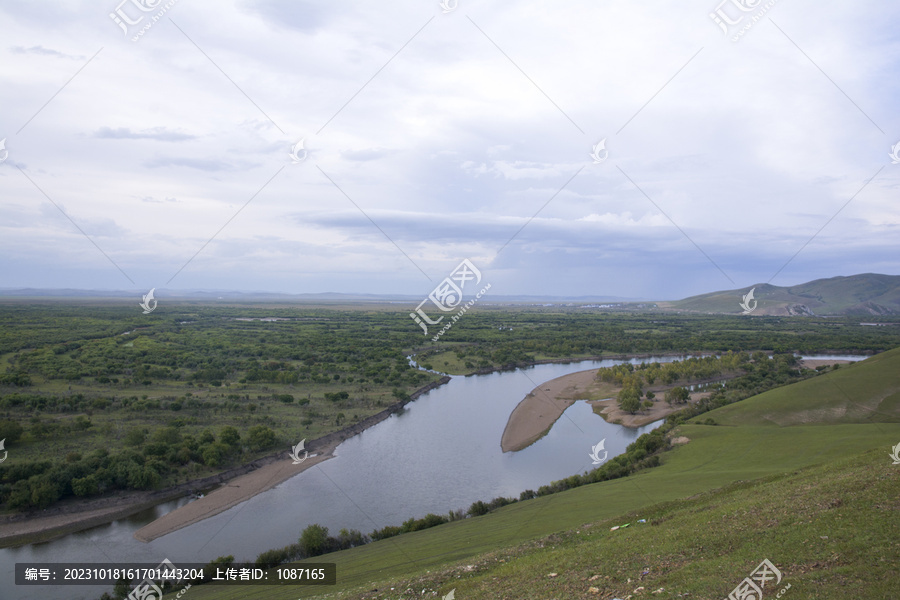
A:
x,y
478,508
314,540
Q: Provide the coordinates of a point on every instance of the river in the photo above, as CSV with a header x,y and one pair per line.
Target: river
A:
x,y
442,452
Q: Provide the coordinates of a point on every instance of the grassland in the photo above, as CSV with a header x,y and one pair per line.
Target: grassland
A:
x,y
817,497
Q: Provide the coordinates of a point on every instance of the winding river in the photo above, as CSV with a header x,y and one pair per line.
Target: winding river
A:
x,y
442,452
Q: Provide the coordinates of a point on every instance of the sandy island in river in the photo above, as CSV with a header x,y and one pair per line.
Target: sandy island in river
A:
x,y
538,411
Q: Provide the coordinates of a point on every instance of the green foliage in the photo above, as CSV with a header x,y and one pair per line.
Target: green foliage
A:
x,y
230,436
629,400
314,540
10,431
260,437
478,508
677,395
336,396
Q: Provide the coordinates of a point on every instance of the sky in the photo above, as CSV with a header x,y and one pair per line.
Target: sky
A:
x,y
153,144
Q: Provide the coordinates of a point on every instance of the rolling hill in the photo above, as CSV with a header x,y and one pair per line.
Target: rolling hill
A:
x,y
868,294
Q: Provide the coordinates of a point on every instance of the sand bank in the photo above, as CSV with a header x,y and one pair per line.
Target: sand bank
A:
x,y
231,494
540,409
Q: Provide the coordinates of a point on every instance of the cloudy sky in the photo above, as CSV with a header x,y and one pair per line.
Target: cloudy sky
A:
x,y
433,134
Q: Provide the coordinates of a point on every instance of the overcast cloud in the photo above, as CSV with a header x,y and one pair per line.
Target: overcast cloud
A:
x,y
429,137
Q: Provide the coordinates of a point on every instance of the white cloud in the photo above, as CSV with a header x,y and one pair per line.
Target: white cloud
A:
x,y
449,144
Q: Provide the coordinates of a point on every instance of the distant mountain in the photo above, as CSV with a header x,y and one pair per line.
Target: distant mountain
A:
x,y
867,294
276,297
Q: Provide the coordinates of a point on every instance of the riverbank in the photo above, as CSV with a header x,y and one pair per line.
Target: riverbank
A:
x,y
545,404
253,478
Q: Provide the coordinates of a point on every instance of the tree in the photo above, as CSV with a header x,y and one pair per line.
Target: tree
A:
x,y
629,400
260,437
677,395
230,436
314,540
213,454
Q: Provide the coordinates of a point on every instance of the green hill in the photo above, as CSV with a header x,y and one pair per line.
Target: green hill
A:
x,y
799,475
864,295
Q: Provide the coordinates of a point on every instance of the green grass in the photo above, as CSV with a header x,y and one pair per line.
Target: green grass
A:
x,y
863,392
831,530
703,546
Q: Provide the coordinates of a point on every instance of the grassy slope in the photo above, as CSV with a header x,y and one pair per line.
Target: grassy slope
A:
x,y
752,447
864,392
831,530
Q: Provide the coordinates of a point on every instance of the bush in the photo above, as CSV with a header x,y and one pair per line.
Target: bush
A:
x,y
10,431
314,540
273,558
478,508
230,436
260,437
429,520
385,532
